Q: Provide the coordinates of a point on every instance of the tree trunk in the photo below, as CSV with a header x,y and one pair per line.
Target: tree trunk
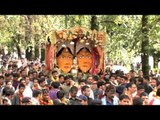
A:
x,y
36,48
28,28
94,23
66,21
42,54
144,46
19,51
155,58
36,51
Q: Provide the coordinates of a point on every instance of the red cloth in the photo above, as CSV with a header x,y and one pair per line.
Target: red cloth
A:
x,y
96,61
49,57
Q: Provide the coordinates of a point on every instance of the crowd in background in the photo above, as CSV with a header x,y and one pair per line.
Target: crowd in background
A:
x,y
25,82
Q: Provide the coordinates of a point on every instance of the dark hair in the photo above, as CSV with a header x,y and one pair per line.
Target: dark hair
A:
x,y
61,75
35,79
62,50
139,87
66,77
82,80
7,74
82,49
15,75
21,85
84,88
123,96
70,76
146,77
96,77
44,91
100,83
54,71
158,92
36,93
55,84
73,88
9,92
137,101
5,90
60,94
133,80
8,82
143,94
129,84
21,80
41,80
124,77
110,88
140,80
1,77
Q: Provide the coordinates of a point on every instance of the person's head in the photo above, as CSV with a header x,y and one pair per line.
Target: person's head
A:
x,y
82,82
35,74
110,92
139,80
27,79
67,80
144,96
35,82
61,78
84,59
79,75
73,91
1,80
60,94
112,78
55,74
42,82
137,101
45,94
124,99
90,79
37,94
124,79
65,59
118,78
140,73
8,77
140,89
83,100
22,81
55,85
101,85
23,73
8,84
146,80
21,88
26,101
153,82
15,76
96,102
85,90
9,93
132,73
131,87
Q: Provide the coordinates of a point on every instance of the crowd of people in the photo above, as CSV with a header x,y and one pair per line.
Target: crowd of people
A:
x,y
29,83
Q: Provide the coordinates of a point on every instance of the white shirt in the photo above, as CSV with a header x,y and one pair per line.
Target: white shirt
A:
x,y
27,92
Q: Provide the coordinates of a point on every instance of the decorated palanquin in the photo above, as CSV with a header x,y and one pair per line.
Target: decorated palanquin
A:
x,y
75,48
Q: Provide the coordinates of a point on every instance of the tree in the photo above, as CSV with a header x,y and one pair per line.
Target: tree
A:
x,y
145,45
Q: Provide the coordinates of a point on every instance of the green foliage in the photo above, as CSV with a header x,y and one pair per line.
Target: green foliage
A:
x,y
123,39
